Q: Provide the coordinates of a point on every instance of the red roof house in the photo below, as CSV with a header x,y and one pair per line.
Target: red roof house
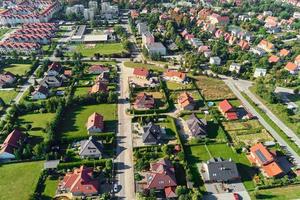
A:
x,y
142,73
186,101
260,156
144,101
99,86
176,76
95,123
161,176
97,69
228,110
273,59
12,142
80,182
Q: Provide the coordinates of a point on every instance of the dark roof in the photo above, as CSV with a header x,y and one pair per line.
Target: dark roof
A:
x,y
198,127
152,133
90,145
221,170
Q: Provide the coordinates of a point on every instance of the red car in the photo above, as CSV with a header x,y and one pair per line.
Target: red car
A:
x,y
236,196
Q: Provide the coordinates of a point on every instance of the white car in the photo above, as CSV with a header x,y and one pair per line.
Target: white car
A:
x,y
115,187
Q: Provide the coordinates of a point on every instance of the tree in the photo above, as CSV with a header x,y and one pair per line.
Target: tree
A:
x,y
2,103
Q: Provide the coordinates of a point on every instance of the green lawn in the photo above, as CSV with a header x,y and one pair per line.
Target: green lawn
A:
x,y
198,153
50,188
75,120
8,95
80,91
18,181
282,193
103,49
148,66
38,122
178,86
18,69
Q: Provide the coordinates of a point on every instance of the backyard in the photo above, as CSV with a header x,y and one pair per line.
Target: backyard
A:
x,y
179,86
103,49
213,89
74,121
8,95
148,66
50,188
198,153
18,69
282,193
38,121
18,180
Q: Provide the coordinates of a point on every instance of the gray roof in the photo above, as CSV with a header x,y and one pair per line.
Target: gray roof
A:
x,y
152,133
198,127
51,164
90,147
221,170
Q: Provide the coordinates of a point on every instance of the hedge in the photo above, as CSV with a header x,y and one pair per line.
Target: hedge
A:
x,y
88,163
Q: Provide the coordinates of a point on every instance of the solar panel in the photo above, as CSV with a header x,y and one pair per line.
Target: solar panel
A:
x,y
261,156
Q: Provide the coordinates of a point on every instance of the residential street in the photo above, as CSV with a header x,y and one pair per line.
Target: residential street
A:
x,y
233,87
124,159
243,85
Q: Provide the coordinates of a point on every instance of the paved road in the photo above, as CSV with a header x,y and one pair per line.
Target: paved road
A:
x,y
124,159
249,107
243,85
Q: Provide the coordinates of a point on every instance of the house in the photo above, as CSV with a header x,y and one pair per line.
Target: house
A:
x,y
215,60
156,48
258,51
51,81
195,42
97,69
265,160
267,46
91,148
216,19
219,170
144,101
152,134
68,73
98,87
197,127
6,79
40,92
228,110
79,183
273,59
176,76
95,123
260,72
147,38
10,144
142,28
284,52
292,68
186,101
141,73
54,69
161,176
235,67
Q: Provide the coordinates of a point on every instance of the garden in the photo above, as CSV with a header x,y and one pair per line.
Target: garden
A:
x,y
213,89
75,120
103,49
8,95
18,69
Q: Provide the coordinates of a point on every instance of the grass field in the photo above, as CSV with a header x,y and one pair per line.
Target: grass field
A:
x,y
75,120
103,49
213,89
80,91
18,181
18,69
38,122
178,86
50,189
199,153
8,95
282,193
148,66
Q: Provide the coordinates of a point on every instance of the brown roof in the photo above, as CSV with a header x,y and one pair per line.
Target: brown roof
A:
x,y
12,141
185,99
141,72
273,59
291,66
173,73
144,100
80,181
95,120
99,86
